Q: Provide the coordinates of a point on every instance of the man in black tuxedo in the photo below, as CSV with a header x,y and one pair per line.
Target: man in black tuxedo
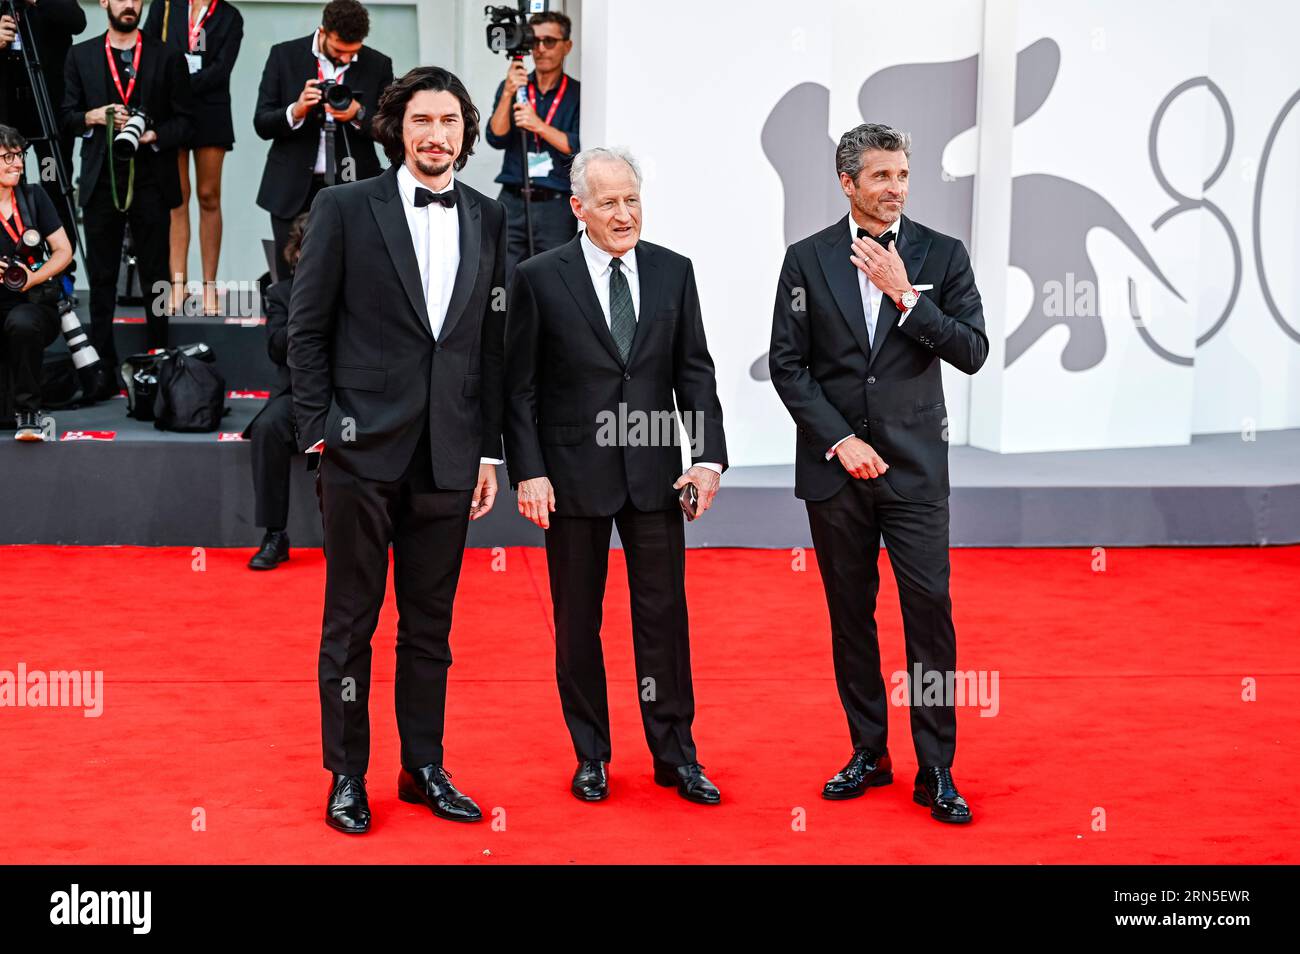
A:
x,y
395,359
312,143
120,68
602,332
865,311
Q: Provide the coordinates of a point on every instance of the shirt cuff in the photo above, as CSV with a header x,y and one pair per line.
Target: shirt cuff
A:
x,y
716,468
293,123
903,317
490,460
316,448
831,453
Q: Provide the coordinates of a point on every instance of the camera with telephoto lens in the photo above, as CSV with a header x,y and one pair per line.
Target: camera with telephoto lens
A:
x,y
127,140
27,253
338,95
508,30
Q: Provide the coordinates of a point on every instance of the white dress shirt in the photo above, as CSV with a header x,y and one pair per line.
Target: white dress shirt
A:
x,y
435,233
328,71
871,299
599,268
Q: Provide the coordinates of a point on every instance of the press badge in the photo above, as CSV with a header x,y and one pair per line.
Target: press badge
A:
x,y
539,165
194,61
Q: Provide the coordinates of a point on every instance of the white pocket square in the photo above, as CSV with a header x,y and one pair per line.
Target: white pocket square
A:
x,y
922,288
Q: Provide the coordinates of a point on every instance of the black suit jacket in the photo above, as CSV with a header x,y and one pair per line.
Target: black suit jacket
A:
x,y
361,348
286,178
565,379
890,394
163,90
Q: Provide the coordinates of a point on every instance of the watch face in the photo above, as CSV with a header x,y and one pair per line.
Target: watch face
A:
x,y
910,298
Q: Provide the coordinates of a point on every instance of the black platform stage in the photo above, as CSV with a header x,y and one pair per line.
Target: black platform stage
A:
x,y
147,487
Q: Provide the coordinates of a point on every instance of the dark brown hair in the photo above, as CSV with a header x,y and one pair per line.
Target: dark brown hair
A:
x,y
348,18
553,16
11,138
293,245
387,126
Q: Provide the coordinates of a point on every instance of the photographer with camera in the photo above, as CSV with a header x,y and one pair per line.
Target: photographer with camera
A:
x,y
316,102
128,96
544,104
29,226
39,32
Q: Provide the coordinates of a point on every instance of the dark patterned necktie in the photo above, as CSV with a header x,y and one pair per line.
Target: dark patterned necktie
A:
x,y
622,316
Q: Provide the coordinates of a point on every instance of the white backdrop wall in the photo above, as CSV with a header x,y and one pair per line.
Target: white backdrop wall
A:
x,y
1103,293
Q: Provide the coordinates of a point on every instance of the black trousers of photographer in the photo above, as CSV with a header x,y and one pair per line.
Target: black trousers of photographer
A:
x,y
554,224
26,330
150,220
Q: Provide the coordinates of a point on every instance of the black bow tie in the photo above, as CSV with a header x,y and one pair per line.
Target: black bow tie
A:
x,y
445,199
882,240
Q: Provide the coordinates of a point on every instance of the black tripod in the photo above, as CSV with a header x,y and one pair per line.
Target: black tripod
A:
x,y
45,114
527,187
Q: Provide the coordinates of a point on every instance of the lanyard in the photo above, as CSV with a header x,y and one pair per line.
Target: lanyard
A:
x,y
555,104
18,220
135,69
197,24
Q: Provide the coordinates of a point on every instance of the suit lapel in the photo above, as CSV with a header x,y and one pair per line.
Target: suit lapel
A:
x,y
648,264
386,204
912,248
578,279
470,217
93,78
842,277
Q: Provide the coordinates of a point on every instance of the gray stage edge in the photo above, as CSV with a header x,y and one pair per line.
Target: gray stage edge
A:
x,y
153,489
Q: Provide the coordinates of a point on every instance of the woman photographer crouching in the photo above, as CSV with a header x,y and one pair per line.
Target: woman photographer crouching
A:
x,y
29,319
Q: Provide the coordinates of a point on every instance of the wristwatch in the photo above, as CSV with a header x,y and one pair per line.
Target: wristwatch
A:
x,y
909,300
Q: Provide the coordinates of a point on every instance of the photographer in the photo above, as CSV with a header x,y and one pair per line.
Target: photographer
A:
x,y
272,431
49,25
550,117
28,316
315,143
121,70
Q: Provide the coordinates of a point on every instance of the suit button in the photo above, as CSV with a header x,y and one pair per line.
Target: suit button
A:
x,y
871,380
627,377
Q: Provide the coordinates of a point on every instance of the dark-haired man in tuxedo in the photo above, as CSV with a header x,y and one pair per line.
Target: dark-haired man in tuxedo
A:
x,y
395,355
865,312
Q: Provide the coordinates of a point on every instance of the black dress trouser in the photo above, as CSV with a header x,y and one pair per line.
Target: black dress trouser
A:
x,y
577,557
150,220
846,532
426,528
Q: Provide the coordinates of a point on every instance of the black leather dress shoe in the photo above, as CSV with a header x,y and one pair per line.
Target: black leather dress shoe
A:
x,y
936,790
865,770
690,782
431,785
273,551
348,809
590,781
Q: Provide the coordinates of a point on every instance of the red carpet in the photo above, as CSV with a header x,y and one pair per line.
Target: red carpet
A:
x,y
1120,692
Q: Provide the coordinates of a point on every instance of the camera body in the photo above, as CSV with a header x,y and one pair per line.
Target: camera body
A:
x,y
337,95
28,253
508,30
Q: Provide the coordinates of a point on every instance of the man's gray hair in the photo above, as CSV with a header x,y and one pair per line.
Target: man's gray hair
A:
x,y
578,171
848,155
